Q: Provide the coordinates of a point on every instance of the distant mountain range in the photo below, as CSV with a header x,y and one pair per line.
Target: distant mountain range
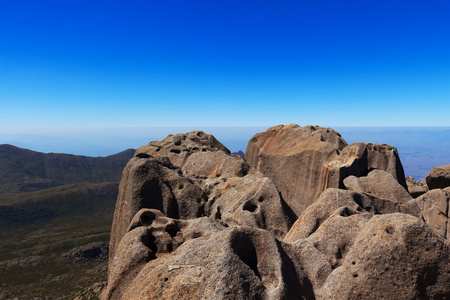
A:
x,y
37,187
24,170
51,204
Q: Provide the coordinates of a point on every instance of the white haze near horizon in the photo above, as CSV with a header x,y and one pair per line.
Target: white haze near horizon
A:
x,y
420,148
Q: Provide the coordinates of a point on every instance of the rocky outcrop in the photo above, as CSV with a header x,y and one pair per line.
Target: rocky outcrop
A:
x,y
290,156
415,188
304,161
179,147
97,250
199,179
434,203
234,263
208,225
438,178
379,184
348,252
435,209
150,235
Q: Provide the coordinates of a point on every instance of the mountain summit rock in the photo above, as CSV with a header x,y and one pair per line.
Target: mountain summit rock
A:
x,y
303,216
304,161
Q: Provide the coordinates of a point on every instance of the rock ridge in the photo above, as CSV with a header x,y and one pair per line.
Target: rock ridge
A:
x,y
303,216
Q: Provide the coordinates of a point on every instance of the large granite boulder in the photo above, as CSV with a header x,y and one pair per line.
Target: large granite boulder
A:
x,y
250,201
203,179
304,161
348,252
178,147
205,224
150,235
235,263
294,158
379,184
154,183
435,206
415,188
438,178
393,256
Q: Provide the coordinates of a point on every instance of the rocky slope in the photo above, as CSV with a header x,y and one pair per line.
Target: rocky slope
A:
x,y
193,221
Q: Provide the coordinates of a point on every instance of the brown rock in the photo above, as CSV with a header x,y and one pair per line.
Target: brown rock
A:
x,y
415,188
154,183
214,165
240,194
351,254
180,146
236,263
435,209
252,200
354,202
304,161
379,184
438,178
151,236
317,213
294,158
394,256
348,244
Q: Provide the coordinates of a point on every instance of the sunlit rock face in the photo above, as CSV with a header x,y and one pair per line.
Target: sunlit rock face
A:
x,y
304,161
193,221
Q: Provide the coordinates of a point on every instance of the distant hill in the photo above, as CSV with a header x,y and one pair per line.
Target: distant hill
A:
x,y
26,170
240,153
50,205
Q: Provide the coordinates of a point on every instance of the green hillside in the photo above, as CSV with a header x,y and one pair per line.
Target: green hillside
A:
x,y
56,213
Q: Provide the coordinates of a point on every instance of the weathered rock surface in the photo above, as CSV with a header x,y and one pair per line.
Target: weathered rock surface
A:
x,y
154,183
294,158
200,224
349,253
438,178
435,209
179,147
249,201
379,184
394,256
235,263
304,161
415,188
199,180
151,235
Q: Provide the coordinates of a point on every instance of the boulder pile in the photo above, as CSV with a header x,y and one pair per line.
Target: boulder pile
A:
x,y
303,216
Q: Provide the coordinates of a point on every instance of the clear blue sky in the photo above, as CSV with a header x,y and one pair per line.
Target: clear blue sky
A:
x,y
94,64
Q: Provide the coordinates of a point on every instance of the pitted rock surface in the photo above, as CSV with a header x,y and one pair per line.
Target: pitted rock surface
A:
x,y
178,147
200,223
201,180
249,201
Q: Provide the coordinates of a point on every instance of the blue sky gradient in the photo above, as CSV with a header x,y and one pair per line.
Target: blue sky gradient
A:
x,y
108,64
